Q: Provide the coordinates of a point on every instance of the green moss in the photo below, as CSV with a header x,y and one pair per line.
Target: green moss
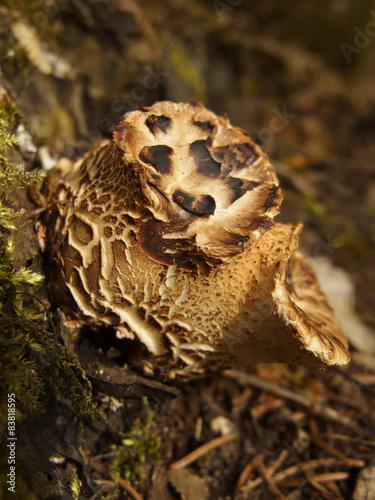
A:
x,y
32,359
185,65
313,206
75,488
350,240
16,55
139,444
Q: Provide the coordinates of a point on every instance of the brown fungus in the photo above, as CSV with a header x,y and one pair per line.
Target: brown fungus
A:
x,y
167,234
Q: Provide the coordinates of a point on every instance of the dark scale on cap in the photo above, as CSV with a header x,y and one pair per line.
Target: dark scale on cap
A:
x,y
206,126
200,205
155,123
206,165
273,198
143,108
158,156
164,250
241,155
236,186
219,153
239,186
235,156
263,223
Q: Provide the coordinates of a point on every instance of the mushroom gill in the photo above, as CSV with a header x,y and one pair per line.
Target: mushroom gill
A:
x,y
166,233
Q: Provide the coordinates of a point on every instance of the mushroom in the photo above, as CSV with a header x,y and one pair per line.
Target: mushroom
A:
x,y
166,234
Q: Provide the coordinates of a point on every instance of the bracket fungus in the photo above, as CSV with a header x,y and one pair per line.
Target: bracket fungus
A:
x,y
166,234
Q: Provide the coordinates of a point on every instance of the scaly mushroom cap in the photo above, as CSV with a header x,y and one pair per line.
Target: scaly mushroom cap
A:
x,y
208,186
166,234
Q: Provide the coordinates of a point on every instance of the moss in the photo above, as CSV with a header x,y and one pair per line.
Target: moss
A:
x,y
350,240
139,444
74,488
32,359
16,55
185,65
313,206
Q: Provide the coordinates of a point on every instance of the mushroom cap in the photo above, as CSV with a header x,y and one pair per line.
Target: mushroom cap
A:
x,y
166,234
300,303
208,186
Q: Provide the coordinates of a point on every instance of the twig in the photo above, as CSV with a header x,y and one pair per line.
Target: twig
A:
x,y
128,488
325,493
268,479
202,450
316,408
316,479
121,481
244,475
267,386
99,492
318,441
250,466
278,462
305,467
349,439
329,476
